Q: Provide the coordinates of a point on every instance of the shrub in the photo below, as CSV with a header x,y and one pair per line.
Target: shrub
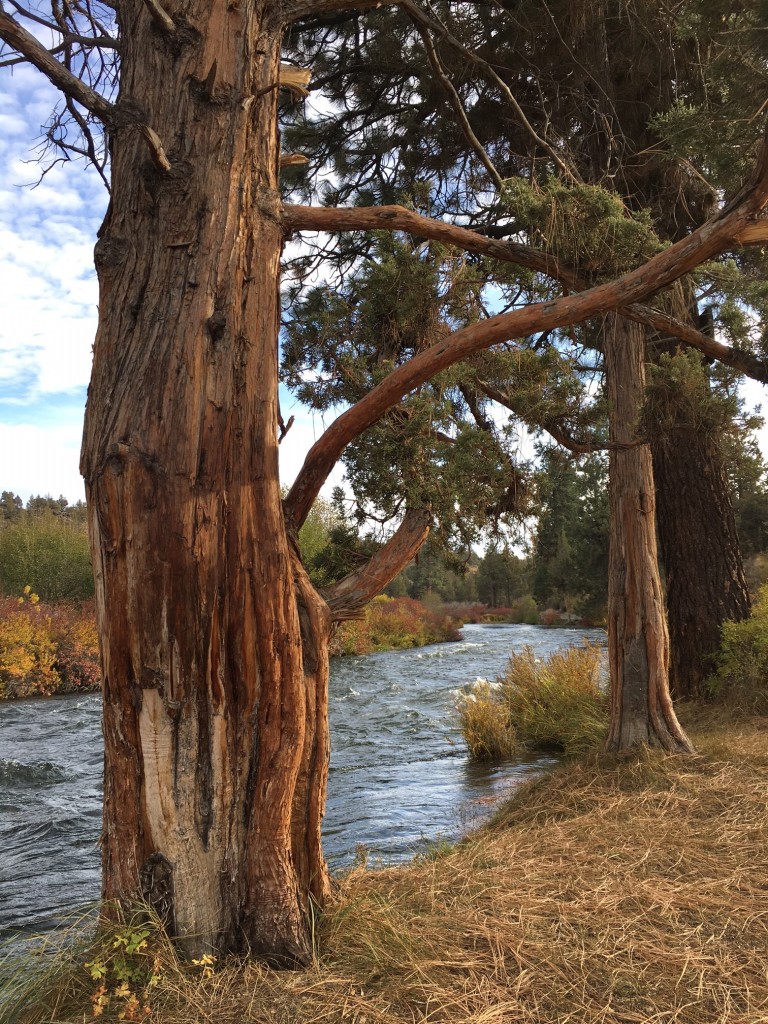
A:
x,y
46,649
48,553
27,649
394,624
741,664
552,703
525,610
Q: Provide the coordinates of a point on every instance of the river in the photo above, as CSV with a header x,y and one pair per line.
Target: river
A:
x,y
399,775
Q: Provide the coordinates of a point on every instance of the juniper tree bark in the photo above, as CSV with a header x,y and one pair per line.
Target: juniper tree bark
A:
x,y
638,642
214,643
704,572
701,551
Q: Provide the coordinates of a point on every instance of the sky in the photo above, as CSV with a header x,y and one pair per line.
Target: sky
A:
x,y
49,299
49,296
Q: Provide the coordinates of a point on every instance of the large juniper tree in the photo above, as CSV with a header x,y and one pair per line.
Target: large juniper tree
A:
x,y
214,641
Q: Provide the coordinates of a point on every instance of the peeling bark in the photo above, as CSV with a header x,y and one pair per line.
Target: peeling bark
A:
x,y
638,643
214,643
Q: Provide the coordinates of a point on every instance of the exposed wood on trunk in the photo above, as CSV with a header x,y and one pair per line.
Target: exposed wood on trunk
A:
x,y
214,643
638,643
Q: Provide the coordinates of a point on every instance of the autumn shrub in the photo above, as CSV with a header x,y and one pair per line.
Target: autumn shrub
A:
x,y
539,703
27,648
394,624
46,649
741,672
465,611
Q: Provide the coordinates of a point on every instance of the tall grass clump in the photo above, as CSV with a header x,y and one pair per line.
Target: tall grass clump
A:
x,y
551,703
741,664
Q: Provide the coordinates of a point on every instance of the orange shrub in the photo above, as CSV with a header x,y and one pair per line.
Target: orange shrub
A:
x,y
46,649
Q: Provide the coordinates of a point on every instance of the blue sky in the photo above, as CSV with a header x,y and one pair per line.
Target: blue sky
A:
x,y
49,299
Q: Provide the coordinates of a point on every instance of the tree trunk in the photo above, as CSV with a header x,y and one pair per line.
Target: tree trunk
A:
x,y
214,643
638,644
704,571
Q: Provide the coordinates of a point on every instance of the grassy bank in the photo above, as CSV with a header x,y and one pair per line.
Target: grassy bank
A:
x,y
617,891
393,624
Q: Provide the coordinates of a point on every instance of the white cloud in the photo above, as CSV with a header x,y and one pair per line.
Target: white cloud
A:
x,y
49,294
40,460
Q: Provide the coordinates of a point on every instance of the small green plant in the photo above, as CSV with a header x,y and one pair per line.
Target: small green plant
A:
x,y
112,967
552,703
124,971
741,664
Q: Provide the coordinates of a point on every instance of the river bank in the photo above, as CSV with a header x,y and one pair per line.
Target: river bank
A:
x,y
611,890
52,649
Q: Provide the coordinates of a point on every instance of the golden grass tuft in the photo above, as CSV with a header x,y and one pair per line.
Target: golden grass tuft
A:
x,y
539,703
613,891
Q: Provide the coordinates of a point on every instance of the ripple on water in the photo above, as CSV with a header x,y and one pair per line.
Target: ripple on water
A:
x,y
17,775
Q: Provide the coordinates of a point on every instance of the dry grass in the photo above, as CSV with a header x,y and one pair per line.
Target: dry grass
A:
x,y
614,891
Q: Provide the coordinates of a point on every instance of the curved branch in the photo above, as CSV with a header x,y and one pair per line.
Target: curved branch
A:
x,y
349,596
398,218
710,239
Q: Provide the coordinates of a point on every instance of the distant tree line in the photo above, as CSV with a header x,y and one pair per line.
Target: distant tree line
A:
x,y
561,562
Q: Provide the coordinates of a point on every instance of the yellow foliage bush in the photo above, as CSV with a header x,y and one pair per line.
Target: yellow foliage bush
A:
x,y
27,655
46,649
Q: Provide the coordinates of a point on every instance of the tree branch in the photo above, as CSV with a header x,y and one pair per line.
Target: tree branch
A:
x,y
112,116
438,28
161,17
26,44
709,240
398,218
555,430
300,9
349,596
458,106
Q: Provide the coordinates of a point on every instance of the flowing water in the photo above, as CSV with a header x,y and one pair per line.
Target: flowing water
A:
x,y
399,775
